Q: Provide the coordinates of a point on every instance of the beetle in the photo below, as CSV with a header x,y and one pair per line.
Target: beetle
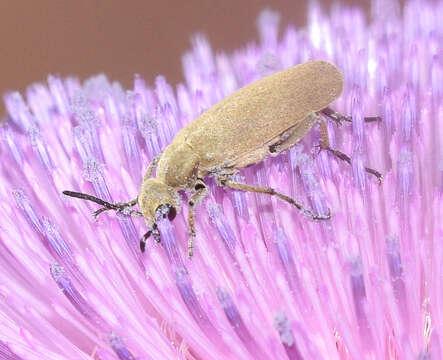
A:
x,y
261,119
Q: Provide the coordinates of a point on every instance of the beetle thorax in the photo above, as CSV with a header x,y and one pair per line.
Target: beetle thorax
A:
x,y
178,166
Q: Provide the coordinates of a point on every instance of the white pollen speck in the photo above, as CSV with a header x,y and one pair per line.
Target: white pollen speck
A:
x,y
281,323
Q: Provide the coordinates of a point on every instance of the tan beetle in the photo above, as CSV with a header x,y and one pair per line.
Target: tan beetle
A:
x,y
263,118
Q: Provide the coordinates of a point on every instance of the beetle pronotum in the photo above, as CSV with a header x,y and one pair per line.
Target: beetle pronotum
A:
x,y
263,118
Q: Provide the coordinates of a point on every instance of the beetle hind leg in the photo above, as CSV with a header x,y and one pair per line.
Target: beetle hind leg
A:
x,y
324,144
339,118
226,181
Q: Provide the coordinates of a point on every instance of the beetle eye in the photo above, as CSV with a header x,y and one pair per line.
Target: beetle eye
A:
x,y
199,186
171,213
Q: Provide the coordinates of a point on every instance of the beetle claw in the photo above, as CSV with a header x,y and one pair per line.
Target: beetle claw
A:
x,y
323,217
96,213
317,149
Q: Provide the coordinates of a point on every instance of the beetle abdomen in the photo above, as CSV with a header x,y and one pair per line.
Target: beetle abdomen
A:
x,y
260,111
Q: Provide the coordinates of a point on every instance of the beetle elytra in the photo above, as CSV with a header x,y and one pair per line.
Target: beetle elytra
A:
x,y
261,119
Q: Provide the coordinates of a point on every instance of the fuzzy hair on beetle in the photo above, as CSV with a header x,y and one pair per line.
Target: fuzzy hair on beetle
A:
x,y
261,119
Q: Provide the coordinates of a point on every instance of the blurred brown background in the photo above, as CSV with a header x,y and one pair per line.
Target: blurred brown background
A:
x,y
120,38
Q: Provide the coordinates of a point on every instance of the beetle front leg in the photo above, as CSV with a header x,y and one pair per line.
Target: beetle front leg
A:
x,y
226,181
123,208
338,118
200,191
151,166
324,144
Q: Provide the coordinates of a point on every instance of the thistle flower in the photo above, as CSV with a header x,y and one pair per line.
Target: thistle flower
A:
x,y
265,282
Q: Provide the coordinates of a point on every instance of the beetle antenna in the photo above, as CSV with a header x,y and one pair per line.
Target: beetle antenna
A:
x,y
92,198
154,232
143,241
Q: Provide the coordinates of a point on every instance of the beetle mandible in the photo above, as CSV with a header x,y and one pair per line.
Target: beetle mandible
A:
x,y
263,118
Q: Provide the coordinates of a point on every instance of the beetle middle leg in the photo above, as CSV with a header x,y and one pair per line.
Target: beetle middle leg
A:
x,y
224,180
200,191
324,144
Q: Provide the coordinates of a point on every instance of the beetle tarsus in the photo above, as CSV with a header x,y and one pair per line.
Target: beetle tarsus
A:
x,y
322,217
223,181
200,191
371,118
191,246
96,213
375,173
339,118
347,158
151,166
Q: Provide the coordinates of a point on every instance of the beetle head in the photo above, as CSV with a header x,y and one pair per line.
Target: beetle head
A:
x,y
157,199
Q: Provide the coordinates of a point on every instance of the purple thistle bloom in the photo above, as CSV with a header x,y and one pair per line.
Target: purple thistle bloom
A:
x,y
265,281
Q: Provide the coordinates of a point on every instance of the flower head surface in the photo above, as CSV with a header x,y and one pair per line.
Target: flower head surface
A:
x,y
265,281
